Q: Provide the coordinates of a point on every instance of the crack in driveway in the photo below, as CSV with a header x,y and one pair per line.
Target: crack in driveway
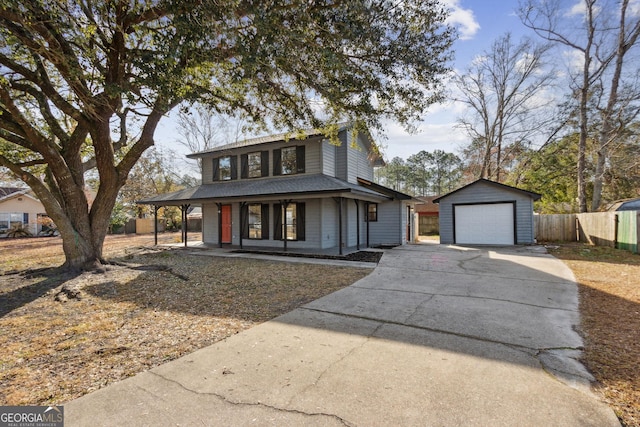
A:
x,y
225,399
463,296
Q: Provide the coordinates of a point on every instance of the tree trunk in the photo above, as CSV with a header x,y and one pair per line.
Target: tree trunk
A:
x,y
607,133
598,180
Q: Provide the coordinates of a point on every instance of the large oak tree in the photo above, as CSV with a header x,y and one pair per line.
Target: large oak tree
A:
x,y
83,84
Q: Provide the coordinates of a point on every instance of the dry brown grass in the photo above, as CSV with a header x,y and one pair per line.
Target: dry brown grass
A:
x,y
131,319
609,282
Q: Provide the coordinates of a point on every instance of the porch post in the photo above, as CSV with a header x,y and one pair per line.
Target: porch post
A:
x,y
357,223
242,204
184,209
284,205
155,224
338,200
366,215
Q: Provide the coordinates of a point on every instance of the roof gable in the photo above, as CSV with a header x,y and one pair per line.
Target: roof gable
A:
x,y
11,192
534,196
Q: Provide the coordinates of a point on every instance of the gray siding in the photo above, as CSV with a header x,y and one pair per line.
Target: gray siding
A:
x,y
328,158
209,223
313,157
207,170
312,226
360,165
341,157
388,230
329,223
482,192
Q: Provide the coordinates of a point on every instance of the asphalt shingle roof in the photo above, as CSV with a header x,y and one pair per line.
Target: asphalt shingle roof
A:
x,y
280,186
8,191
263,140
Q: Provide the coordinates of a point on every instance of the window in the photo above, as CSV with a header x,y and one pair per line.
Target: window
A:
x,y
289,160
294,227
255,171
13,219
372,212
255,221
255,165
224,168
289,156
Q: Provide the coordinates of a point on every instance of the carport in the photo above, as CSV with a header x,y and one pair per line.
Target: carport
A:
x,y
487,213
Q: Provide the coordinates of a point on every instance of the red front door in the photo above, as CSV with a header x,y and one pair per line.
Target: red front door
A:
x,y
225,213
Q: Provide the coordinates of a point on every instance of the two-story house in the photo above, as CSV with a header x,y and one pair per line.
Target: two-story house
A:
x,y
287,193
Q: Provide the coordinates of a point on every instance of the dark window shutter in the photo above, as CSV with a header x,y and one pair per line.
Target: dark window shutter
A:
x,y
216,171
264,163
244,166
244,220
300,158
277,221
25,218
277,162
300,221
265,222
234,167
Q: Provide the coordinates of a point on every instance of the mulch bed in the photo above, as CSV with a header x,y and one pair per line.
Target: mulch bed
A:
x,y
361,256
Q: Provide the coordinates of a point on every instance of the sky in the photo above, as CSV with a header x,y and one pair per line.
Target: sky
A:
x,y
479,23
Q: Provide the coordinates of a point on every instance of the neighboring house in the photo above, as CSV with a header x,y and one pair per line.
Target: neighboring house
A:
x,y
625,205
281,192
19,208
428,215
487,213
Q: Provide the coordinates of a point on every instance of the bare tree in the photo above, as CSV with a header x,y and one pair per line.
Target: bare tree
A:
x,y
201,129
613,114
502,90
589,41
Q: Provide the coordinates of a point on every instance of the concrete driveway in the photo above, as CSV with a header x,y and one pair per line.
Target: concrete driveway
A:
x,y
434,336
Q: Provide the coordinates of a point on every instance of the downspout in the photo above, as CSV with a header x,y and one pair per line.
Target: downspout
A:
x,y
219,205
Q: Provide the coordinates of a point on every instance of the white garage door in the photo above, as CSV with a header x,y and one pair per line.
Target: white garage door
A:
x,y
489,224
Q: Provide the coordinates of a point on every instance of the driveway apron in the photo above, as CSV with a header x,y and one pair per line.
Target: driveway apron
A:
x,y
435,336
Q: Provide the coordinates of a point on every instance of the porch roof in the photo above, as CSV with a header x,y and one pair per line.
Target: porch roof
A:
x,y
295,185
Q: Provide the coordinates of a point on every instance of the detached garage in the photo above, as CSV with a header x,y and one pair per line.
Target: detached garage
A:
x,y
487,213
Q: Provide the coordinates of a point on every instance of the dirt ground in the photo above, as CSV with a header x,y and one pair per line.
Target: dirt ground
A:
x,y
609,286
162,304
166,303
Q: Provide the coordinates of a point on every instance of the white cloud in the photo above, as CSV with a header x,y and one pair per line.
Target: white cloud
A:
x,y
463,19
634,8
580,8
430,137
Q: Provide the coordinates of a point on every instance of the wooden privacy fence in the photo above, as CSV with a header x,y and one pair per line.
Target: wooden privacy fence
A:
x,y
613,229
